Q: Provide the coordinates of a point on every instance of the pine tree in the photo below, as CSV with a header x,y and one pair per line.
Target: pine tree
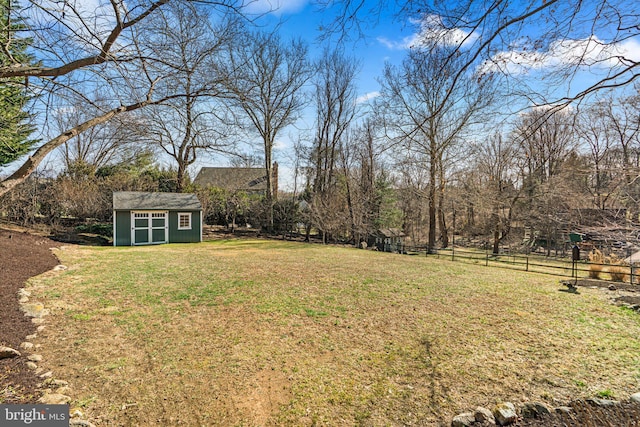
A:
x,y
14,129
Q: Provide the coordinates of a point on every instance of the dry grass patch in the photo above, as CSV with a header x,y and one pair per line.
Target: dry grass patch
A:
x,y
273,333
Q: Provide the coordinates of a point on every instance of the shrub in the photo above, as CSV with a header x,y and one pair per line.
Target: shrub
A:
x,y
617,270
596,261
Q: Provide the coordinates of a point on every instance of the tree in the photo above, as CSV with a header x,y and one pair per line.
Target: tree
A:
x,y
266,78
495,162
427,110
185,127
14,129
329,154
553,38
80,50
108,143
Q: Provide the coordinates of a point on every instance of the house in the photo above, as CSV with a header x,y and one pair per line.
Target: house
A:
x,y
141,218
249,180
388,240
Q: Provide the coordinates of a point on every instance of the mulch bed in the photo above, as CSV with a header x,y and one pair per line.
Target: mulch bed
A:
x,y
22,256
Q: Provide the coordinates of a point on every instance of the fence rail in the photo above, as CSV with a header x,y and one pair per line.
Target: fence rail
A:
x,y
531,263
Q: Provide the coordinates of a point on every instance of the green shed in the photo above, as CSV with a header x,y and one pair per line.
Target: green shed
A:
x,y
142,218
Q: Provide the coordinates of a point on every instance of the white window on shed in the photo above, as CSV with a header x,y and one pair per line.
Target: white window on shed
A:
x,y
184,221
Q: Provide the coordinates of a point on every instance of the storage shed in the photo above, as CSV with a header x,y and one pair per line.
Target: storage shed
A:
x,y
141,218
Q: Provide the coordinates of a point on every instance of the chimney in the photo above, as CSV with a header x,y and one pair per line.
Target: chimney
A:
x,y
274,180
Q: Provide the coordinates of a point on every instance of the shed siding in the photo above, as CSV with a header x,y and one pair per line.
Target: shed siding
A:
x,y
184,236
122,235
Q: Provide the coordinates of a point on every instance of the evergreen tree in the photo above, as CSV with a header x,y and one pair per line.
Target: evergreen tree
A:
x,y
14,131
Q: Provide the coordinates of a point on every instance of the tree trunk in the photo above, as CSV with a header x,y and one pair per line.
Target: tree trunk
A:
x,y
432,199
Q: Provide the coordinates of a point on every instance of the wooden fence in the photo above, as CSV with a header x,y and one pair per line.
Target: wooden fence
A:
x,y
561,267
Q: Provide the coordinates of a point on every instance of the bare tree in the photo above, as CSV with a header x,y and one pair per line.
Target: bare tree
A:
x,y
193,49
545,139
556,38
266,80
428,110
79,50
335,97
111,142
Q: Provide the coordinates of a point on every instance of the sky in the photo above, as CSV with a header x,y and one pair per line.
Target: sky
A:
x,y
385,38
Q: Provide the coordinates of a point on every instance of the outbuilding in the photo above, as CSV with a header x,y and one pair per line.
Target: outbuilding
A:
x,y
143,218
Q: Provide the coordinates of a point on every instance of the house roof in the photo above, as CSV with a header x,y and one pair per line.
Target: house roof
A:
x,y
391,232
232,179
129,200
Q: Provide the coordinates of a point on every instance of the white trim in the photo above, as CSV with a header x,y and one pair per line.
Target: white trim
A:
x,y
149,216
189,226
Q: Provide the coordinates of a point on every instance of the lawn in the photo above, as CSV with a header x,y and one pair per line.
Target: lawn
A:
x,y
244,333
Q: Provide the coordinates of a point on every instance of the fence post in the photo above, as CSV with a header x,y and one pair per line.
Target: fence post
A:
x,y
527,267
453,253
631,277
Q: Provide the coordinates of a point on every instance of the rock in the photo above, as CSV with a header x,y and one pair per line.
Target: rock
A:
x,y
22,292
483,415
26,345
8,352
635,397
35,309
534,410
35,358
23,299
65,389
32,366
48,374
60,267
76,413
612,287
54,399
463,420
564,409
31,337
40,328
602,402
83,423
505,413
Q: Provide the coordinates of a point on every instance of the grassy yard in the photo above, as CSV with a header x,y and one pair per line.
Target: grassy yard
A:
x,y
272,333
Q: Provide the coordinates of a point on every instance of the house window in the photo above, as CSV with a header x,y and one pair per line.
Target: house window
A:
x,y
184,221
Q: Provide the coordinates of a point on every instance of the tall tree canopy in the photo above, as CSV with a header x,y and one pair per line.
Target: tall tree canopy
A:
x,y
14,127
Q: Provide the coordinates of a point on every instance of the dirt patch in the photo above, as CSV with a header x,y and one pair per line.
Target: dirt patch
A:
x,y
22,256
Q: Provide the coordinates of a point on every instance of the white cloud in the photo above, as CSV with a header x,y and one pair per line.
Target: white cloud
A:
x,y
431,31
276,7
367,97
590,52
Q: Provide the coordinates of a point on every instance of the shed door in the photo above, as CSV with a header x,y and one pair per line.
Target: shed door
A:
x,y
149,227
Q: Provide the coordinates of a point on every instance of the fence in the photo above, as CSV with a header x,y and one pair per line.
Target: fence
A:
x,y
532,263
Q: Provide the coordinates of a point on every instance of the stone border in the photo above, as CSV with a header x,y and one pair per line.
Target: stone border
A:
x,y
506,413
55,391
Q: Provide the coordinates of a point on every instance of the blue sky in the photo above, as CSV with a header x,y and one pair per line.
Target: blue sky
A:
x,y
386,38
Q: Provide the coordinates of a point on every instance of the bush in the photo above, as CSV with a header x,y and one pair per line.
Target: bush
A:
x,y
596,261
617,270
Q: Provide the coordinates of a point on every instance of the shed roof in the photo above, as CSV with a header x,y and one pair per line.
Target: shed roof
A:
x,y
391,232
129,200
232,179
